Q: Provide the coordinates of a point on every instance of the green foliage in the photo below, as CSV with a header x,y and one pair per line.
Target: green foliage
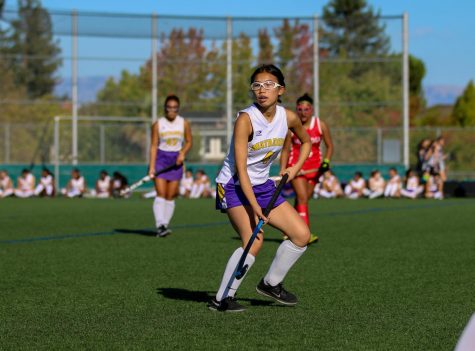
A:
x,y
464,108
242,69
351,28
34,54
438,115
266,49
417,72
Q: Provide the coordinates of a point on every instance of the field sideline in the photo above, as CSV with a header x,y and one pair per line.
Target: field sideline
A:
x,y
88,274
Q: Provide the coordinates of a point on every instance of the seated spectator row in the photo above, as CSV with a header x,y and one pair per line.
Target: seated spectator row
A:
x,y
429,185
105,186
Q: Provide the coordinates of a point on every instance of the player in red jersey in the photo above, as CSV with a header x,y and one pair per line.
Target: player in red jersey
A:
x,y
314,166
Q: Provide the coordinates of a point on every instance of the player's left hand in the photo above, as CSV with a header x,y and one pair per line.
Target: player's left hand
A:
x,y
181,158
291,171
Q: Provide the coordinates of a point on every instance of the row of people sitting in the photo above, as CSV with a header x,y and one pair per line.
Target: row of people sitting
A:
x,y
105,186
430,185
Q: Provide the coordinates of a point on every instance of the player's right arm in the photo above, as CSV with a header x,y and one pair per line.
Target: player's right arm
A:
x,y
153,149
242,131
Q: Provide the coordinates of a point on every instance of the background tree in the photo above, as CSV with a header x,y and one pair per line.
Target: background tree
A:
x,y
243,61
34,54
266,49
352,28
464,108
417,71
295,56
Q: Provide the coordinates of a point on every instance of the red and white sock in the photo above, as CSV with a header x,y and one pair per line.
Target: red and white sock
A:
x,y
303,212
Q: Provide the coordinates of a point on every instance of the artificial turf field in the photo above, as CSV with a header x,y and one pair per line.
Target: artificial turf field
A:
x,y
88,274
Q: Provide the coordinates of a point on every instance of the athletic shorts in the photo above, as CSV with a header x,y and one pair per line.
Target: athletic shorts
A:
x,y
231,195
165,159
309,177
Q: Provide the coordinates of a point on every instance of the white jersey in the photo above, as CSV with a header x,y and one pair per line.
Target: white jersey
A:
x,y
171,133
357,184
103,184
395,180
78,184
47,180
186,182
329,183
376,184
263,149
27,183
412,183
5,183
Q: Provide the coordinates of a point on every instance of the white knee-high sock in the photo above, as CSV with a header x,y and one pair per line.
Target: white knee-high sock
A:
x,y
169,209
228,272
159,211
287,254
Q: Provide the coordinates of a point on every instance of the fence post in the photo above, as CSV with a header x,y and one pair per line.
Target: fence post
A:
x,y
7,141
154,67
56,152
102,143
379,143
229,80
316,64
405,88
74,90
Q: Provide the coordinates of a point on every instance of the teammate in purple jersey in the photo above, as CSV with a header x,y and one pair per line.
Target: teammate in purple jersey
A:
x,y
171,141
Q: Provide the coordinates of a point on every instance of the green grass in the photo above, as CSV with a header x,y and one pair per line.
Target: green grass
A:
x,y
84,274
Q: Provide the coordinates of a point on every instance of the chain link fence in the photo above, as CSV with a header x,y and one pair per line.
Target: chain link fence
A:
x,y
125,65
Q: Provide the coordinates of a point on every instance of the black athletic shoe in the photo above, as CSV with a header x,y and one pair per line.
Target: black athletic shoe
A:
x,y
229,304
278,293
163,231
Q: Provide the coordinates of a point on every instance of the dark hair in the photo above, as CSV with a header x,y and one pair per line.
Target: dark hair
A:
x,y
305,98
171,97
358,173
271,69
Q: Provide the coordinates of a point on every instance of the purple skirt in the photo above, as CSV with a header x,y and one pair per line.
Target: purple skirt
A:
x,y
231,195
165,159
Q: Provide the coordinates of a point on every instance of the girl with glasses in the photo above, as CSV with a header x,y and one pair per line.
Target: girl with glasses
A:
x,y
314,166
244,188
171,141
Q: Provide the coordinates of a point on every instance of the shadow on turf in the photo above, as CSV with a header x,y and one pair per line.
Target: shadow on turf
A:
x,y
146,232
202,296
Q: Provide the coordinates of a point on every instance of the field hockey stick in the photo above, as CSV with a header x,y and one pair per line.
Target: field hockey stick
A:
x,y
147,178
241,268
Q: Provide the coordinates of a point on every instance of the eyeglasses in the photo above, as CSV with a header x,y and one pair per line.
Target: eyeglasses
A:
x,y
172,108
267,85
306,109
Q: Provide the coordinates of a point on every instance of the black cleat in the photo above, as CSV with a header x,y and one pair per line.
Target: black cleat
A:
x,y
229,304
163,231
278,293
